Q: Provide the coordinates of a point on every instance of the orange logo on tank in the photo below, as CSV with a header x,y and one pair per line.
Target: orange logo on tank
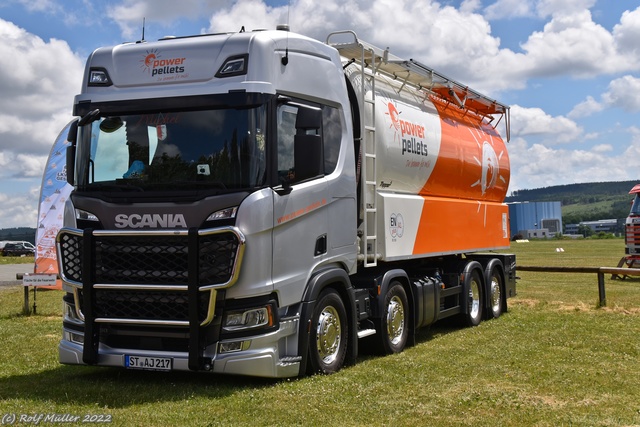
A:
x,y
489,163
411,134
404,127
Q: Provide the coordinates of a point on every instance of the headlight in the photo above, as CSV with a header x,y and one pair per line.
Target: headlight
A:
x,y
228,213
248,319
85,216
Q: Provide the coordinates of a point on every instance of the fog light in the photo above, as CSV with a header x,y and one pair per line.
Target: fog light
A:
x,y
233,346
72,337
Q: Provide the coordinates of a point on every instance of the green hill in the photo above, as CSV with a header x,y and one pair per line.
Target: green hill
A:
x,y
583,202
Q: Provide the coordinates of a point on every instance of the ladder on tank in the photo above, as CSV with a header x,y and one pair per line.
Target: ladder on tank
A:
x,y
366,56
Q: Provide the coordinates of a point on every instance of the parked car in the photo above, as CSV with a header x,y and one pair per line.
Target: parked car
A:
x,y
18,249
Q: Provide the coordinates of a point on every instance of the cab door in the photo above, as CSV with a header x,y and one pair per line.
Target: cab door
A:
x,y
301,223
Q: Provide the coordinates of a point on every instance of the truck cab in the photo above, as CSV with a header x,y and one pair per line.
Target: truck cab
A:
x,y
632,227
205,174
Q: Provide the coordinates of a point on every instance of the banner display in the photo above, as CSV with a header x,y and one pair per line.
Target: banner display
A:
x,y
54,192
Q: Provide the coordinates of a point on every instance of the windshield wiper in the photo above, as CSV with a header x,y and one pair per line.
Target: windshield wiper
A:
x,y
118,186
187,184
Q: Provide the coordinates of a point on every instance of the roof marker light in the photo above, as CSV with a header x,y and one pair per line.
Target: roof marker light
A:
x,y
234,66
99,77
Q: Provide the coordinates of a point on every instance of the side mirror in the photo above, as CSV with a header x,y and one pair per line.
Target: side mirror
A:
x,y
71,163
72,135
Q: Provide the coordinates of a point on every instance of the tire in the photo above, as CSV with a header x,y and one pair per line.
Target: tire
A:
x,y
329,334
496,298
474,300
393,327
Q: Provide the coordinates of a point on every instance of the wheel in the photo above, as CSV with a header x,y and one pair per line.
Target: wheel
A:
x,y
474,299
394,328
495,294
329,332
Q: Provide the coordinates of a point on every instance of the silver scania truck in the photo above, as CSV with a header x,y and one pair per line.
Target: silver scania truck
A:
x,y
262,203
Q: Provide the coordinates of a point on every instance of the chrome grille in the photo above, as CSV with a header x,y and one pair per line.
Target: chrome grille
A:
x,y
144,276
146,305
140,258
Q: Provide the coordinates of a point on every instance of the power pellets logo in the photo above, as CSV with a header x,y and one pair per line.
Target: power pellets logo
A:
x,y
156,65
412,135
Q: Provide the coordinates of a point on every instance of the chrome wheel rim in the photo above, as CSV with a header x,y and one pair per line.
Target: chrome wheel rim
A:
x,y
496,295
328,334
395,320
474,299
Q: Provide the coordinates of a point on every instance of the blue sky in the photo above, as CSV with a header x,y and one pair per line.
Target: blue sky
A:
x,y
570,69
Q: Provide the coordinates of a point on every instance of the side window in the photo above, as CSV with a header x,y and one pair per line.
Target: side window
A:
x,y
330,133
332,136
286,132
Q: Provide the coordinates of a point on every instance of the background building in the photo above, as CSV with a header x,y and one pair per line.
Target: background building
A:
x,y
535,219
613,226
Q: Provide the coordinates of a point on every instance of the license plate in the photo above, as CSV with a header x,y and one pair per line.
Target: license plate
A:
x,y
150,363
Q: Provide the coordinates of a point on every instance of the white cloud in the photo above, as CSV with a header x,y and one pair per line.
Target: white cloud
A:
x,y
573,44
129,14
21,209
627,33
38,84
540,166
585,108
509,9
534,121
603,148
457,42
546,8
622,93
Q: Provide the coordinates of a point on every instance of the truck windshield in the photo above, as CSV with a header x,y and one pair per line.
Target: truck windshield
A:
x,y
635,207
222,148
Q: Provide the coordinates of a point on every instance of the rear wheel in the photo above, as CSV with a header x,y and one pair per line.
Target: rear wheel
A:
x,y
495,294
394,330
474,299
329,332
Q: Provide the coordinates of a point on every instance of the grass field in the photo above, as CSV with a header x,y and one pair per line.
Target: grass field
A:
x,y
5,260
554,359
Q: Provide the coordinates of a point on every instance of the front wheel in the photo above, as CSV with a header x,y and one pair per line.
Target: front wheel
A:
x,y
329,332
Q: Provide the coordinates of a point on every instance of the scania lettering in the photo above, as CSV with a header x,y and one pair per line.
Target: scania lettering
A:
x,y
265,204
150,220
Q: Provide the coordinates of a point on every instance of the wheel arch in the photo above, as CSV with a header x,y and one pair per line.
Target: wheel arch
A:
x,y
338,280
384,282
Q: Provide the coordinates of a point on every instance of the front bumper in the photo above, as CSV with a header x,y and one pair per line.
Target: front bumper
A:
x,y
266,355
